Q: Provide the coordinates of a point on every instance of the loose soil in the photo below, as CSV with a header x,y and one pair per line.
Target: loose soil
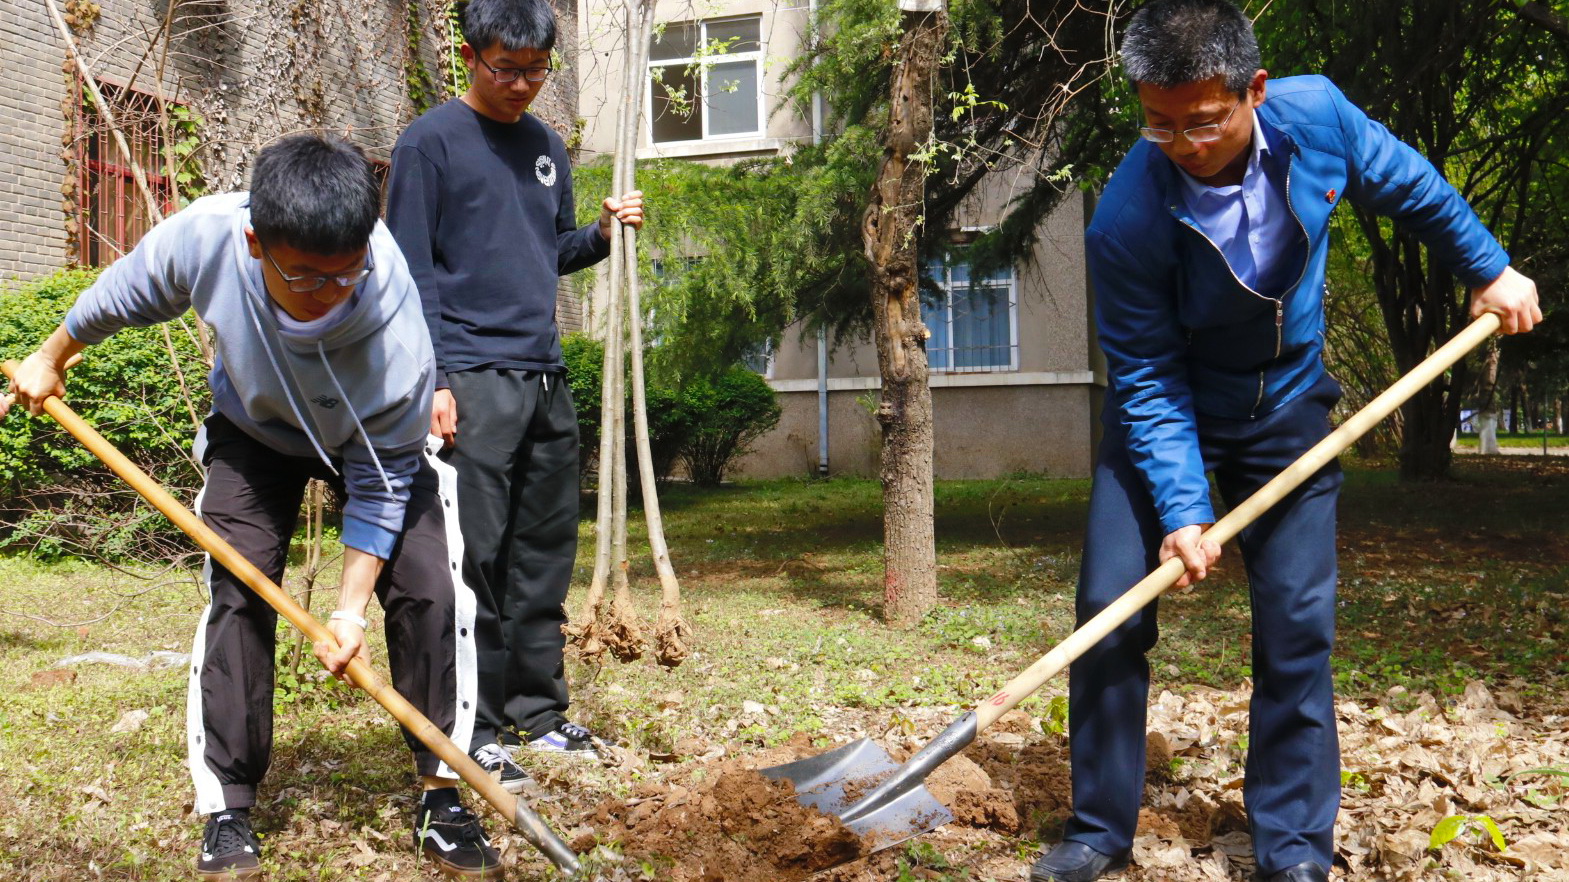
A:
x,y
1409,763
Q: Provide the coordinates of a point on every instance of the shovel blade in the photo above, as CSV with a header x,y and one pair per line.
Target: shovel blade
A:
x,y
821,781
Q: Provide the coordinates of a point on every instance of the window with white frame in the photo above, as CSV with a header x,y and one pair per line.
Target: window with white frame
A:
x,y
759,358
973,317
706,80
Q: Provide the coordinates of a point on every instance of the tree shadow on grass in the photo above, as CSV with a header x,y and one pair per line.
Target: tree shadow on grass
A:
x,y
822,541
324,771
24,641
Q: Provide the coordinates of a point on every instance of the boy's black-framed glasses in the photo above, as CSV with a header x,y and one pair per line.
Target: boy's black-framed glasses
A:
x,y
307,284
511,74
1197,135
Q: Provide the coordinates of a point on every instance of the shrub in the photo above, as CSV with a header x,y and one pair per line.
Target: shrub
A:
x,y
668,417
57,497
727,415
585,359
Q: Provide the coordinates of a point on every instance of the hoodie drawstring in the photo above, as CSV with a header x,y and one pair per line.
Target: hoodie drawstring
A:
x,y
386,482
289,396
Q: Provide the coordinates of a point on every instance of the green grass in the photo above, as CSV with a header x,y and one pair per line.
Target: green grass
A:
x,y
1518,439
1440,584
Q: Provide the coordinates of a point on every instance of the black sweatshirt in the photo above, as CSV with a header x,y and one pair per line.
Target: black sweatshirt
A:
x,y
483,213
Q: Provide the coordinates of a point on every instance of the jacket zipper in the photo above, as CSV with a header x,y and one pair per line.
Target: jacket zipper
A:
x,y
1280,303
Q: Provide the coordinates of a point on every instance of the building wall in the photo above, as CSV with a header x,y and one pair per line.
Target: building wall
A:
x,y
32,234
253,70
978,432
1040,418
1037,417
784,25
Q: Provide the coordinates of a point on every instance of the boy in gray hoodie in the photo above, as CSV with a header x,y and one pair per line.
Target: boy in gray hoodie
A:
x,y
323,369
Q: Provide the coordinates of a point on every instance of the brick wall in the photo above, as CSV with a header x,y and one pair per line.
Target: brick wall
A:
x,y
253,69
32,238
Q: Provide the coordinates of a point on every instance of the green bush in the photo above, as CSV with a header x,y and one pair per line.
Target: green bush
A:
x,y
668,418
727,414
55,495
585,358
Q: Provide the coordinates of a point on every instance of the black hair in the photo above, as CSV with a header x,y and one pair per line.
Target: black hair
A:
x,y
515,24
314,192
1173,42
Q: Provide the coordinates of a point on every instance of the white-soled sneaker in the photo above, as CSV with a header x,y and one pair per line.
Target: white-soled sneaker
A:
x,y
494,759
567,739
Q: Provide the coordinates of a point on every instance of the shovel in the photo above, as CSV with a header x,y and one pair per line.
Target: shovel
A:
x,y
516,810
885,803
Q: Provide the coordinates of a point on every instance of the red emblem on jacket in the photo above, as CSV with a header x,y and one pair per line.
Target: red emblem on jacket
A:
x,y
1330,197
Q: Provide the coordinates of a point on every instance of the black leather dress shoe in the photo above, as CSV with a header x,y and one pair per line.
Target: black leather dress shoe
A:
x,y
1307,872
1072,861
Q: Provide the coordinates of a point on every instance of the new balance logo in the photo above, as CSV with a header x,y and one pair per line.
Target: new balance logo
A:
x,y
325,401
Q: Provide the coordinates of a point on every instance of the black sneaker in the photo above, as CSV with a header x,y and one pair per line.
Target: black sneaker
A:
x,y
453,838
567,739
493,759
229,848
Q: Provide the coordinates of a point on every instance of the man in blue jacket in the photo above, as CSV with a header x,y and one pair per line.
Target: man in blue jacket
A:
x,y
323,369
1208,251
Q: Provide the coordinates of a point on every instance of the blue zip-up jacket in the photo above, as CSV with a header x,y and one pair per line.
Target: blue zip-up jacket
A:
x,y
357,395
1184,337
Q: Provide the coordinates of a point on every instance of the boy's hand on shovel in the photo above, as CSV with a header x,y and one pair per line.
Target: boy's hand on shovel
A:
x,y
351,645
38,377
1512,297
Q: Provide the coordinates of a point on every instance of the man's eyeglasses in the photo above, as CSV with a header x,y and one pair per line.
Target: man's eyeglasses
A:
x,y
511,74
1196,135
307,284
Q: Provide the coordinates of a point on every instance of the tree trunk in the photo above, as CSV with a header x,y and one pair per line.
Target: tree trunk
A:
x,y
1430,419
1421,311
1487,403
889,233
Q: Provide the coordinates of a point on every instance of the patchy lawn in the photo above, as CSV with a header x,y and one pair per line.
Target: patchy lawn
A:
x,y
1452,667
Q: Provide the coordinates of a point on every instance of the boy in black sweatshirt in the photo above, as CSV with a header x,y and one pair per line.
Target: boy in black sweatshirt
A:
x,y
480,201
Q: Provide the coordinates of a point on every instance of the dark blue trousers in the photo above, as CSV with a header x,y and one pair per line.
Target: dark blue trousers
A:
x,y
1292,783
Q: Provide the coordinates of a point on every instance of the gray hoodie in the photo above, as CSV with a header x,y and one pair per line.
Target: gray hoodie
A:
x,y
357,395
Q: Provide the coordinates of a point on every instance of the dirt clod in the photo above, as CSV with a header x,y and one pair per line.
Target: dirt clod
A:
x,y
725,823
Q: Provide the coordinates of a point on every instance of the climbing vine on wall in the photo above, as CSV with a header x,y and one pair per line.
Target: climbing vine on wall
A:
x,y
416,77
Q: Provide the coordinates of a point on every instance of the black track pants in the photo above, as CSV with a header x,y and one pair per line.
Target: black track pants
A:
x,y
517,464
252,500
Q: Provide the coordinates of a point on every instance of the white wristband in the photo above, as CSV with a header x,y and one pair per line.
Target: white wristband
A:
x,y
343,615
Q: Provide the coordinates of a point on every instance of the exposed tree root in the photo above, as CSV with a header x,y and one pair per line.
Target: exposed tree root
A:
x,y
588,636
672,636
624,633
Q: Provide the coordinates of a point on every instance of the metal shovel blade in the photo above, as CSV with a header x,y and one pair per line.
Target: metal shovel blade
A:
x,y
820,782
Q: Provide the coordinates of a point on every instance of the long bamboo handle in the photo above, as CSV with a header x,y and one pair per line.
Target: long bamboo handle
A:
x,y
516,810
1167,574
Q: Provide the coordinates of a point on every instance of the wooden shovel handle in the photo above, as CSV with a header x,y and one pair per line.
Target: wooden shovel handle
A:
x,y
359,673
1167,574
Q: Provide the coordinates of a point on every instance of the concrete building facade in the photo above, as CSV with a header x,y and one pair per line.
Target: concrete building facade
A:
x,y
1016,374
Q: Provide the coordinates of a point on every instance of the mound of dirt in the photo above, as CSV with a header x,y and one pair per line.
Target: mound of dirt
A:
x,y
967,791
723,823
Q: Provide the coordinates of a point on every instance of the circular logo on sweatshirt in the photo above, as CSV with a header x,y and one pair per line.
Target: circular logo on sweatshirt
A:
x,y
545,170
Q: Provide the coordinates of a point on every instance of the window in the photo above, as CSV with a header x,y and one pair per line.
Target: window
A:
x,y
973,317
706,80
759,358
111,212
